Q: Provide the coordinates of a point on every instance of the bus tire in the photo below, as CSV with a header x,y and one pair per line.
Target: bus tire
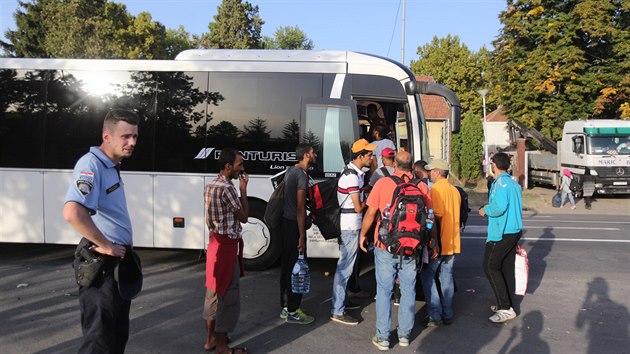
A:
x,y
261,246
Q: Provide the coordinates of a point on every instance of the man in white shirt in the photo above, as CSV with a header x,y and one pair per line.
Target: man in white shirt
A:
x,y
352,202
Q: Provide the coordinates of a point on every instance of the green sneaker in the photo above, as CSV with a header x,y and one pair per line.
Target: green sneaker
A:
x,y
299,317
285,312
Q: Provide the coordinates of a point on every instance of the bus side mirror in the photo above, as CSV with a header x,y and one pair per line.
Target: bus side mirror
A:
x,y
432,88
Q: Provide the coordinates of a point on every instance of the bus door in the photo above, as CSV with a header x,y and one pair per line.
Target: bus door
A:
x,y
330,126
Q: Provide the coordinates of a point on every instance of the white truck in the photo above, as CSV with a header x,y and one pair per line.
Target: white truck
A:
x,y
599,148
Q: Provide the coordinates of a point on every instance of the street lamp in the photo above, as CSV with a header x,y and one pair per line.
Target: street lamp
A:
x,y
483,94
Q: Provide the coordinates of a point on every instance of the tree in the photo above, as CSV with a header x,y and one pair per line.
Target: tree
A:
x,y
563,60
236,26
291,131
471,147
224,131
177,40
256,129
452,64
288,38
28,38
85,29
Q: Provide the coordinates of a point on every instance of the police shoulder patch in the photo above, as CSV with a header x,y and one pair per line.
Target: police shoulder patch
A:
x,y
85,182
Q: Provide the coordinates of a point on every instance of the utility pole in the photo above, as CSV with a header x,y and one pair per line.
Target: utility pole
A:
x,y
403,32
483,94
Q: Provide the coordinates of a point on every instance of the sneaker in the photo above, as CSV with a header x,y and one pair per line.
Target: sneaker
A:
x,y
447,321
494,308
352,306
573,207
434,323
381,344
299,317
345,319
361,294
284,313
502,316
403,341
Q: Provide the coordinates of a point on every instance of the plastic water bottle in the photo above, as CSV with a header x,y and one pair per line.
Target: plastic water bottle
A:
x,y
383,230
386,212
430,219
300,277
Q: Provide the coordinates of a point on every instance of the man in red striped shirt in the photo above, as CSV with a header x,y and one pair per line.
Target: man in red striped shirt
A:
x,y
225,212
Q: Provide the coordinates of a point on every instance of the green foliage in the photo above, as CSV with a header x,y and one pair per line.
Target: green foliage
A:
x,y
89,29
562,60
176,41
456,153
236,26
288,38
452,64
471,147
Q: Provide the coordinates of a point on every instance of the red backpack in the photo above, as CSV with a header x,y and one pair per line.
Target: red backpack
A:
x,y
403,231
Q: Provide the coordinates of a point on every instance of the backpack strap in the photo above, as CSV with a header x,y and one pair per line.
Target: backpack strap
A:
x,y
346,171
385,171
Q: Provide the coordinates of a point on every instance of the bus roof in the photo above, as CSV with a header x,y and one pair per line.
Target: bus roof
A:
x,y
253,60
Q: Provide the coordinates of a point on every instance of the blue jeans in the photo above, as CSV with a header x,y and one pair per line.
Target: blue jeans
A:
x,y
348,245
386,267
563,197
439,308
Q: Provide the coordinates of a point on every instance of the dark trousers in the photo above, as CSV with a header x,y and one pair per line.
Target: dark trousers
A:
x,y
498,264
104,315
289,256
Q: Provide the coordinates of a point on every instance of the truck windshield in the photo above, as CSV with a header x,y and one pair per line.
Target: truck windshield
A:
x,y
609,145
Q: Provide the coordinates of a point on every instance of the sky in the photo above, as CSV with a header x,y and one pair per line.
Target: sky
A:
x,y
369,26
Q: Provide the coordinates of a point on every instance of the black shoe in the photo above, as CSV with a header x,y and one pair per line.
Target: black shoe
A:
x,y
352,306
434,323
447,321
345,319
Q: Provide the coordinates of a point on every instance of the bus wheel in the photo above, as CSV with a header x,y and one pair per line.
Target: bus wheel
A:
x,y
261,248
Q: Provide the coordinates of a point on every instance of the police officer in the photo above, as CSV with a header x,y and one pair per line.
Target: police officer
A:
x,y
96,208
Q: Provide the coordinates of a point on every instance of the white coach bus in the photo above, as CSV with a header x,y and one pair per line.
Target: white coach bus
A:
x,y
260,102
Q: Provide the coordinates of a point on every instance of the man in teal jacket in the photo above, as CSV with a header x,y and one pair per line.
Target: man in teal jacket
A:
x,y
505,223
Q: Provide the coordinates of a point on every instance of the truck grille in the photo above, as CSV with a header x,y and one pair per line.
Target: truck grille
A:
x,y
613,171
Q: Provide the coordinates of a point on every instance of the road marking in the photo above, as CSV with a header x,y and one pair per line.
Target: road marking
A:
x,y
586,221
553,239
482,229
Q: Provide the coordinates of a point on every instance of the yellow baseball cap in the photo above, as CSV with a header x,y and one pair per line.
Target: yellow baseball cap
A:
x,y
361,145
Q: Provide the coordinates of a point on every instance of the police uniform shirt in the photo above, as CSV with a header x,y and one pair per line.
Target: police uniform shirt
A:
x,y
96,185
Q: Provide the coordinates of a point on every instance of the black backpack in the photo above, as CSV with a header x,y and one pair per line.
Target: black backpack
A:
x,y
574,186
275,205
404,232
324,206
463,208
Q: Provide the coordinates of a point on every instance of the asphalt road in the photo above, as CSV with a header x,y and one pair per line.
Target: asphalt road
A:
x,y
577,300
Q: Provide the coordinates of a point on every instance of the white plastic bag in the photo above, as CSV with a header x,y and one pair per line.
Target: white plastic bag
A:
x,y
521,271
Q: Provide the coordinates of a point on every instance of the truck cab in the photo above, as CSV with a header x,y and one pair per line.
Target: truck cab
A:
x,y
598,148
